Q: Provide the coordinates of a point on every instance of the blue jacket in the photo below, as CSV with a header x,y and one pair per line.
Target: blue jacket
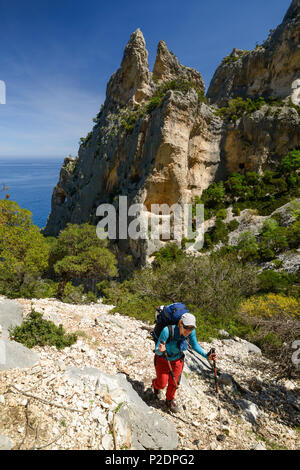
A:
x,y
173,351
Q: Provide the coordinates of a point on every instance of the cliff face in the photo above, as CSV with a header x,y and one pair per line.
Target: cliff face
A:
x,y
259,141
163,153
156,140
272,69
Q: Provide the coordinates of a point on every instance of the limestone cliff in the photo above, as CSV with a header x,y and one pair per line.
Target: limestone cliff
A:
x,y
272,69
152,152
156,140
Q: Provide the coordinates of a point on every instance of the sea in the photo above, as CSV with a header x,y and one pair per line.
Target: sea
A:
x,y
30,183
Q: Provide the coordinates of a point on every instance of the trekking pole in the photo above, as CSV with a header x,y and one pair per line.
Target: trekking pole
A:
x,y
213,351
220,437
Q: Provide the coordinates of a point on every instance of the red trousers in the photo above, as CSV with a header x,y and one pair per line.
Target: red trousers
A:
x,y
164,377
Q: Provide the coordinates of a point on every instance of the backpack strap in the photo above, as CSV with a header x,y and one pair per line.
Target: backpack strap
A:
x,y
171,333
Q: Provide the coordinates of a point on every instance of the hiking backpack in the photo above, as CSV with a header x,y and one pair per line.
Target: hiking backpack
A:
x,y
167,316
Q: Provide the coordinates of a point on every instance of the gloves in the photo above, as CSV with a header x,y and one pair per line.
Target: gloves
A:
x,y
211,355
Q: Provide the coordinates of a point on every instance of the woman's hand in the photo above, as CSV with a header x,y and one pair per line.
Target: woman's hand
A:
x,y
162,347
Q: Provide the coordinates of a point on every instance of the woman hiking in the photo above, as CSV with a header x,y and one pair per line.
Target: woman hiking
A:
x,y
169,353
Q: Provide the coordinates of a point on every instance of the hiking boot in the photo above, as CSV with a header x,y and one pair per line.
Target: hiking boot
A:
x,y
171,405
157,393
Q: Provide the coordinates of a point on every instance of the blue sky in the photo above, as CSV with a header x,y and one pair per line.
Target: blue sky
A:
x,y
57,56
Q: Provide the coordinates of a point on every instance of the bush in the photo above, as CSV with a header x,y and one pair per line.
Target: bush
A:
x,y
271,305
293,235
291,162
214,285
232,225
39,289
277,282
35,331
219,232
91,298
73,294
221,214
273,237
130,118
275,326
252,178
180,85
238,107
236,185
170,253
236,210
247,246
214,194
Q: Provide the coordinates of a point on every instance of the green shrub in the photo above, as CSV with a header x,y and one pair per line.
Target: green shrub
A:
x,y
39,289
214,194
238,107
236,210
274,319
277,282
85,140
293,235
130,118
247,246
236,185
252,178
221,214
219,233
208,244
170,252
91,298
232,225
291,162
273,237
180,85
214,284
73,294
35,331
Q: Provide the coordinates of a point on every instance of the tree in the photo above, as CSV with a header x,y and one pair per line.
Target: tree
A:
x,y
79,253
247,246
214,194
237,186
11,215
291,162
23,250
273,237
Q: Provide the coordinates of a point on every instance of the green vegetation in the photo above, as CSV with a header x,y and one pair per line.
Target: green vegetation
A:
x,y
238,107
34,266
78,253
224,289
129,118
84,140
234,58
295,106
180,85
24,251
262,194
212,287
35,331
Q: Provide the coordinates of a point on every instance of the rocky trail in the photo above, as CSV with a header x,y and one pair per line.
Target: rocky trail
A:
x,y
96,394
